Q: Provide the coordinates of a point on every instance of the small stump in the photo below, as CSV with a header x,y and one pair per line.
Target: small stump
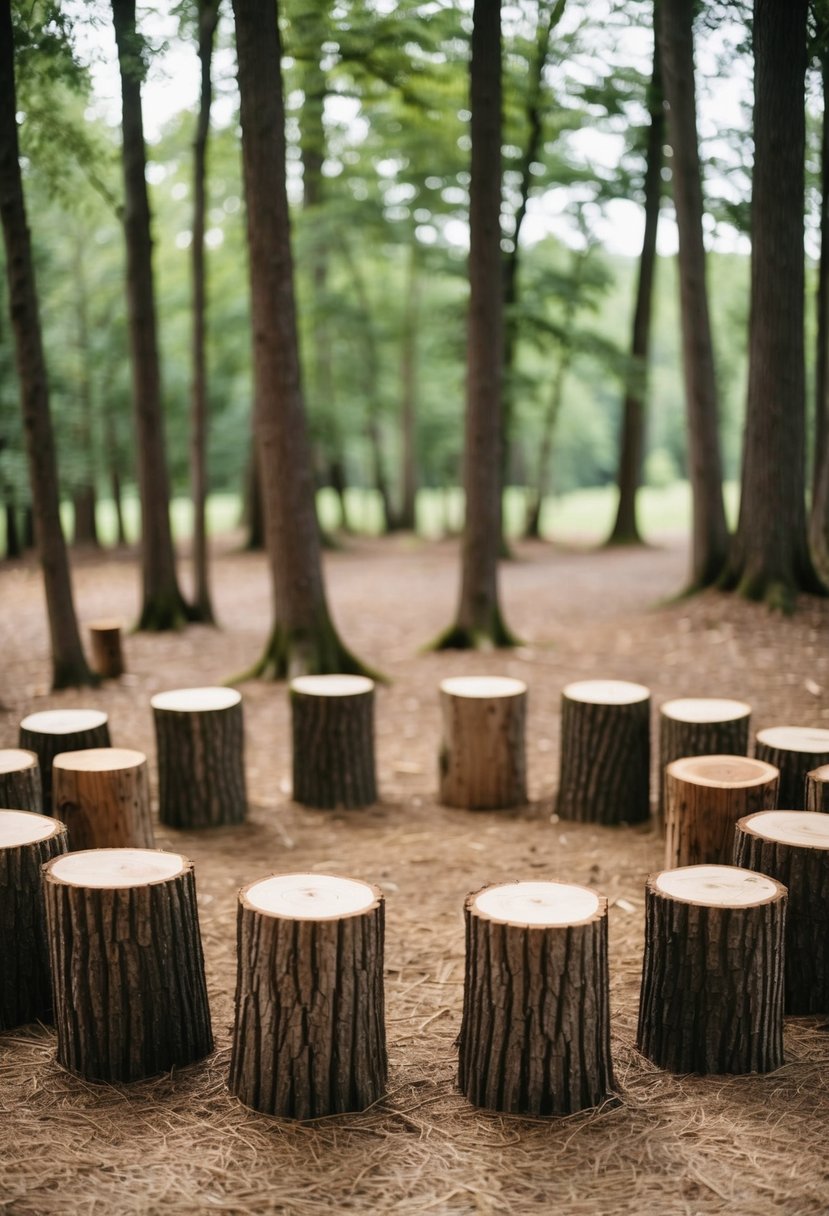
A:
x,y
700,726
795,750
130,999
309,1035
704,798
27,840
20,787
201,763
535,1034
482,762
61,730
793,847
103,796
604,775
712,979
107,654
332,728
817,789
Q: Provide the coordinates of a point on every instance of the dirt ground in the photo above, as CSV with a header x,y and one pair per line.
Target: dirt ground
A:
x,y
668,1145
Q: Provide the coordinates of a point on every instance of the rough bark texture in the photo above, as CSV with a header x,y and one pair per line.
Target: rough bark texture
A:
x,y
130,998
701,817
68,662
817,790
407,516
47,746
333,749
309,1035
25,990
604,775
482,762
20,785
201,767
709,539
794,767
535,1034
819,517
712,985
678,738
107,655
162,606
104,807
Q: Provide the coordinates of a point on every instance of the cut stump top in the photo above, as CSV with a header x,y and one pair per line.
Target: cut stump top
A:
x,y
196,700
807,829
26,827
113,868
811,740
64,721
607,692
331,686
106,625
717,886
705,709
16,759
537,903
722,772
310,896
817,774
100,760
483,686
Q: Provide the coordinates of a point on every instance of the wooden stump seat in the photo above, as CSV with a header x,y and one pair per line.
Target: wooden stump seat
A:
x,y
130,999
482,762
332,729
27,840
103,796
309,1034
535,1033
107,652
712,981
201,763
700,726
704,798
20,786
52,731
604,772
795,750
817,789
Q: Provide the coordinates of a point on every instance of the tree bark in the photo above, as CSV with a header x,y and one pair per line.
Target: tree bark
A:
x,y
107,655
162,605
817,789
795,750
332,729
103,797
407,516
309,1036
130,998
819,517
709,541
303,638
482,763
68,662
535,1034
20,786
27,841
770,558
704,798
712,979
548,429
13,545
793,847
201,763
53,731
604,771
85,497
700,726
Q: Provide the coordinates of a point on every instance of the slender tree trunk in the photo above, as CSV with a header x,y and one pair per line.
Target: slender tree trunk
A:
x,y
29,539
115,475
479,622
819,519
407,519
709,541
303,637
84,506
254,515
85,497
13,546
770,556
625,529
545,451
162,605
202,608
68,663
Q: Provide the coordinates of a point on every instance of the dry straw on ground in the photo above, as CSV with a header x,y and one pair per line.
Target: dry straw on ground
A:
x,y
666,1146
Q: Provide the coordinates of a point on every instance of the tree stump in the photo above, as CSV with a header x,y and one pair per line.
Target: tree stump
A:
x,y
201,763
704,798
103,796
793,847
61,730
27,840
535,1034
700,726
107,653
604,774
20,787
712,979
817,789
130,999
482,764
309,1035
795,750
332,728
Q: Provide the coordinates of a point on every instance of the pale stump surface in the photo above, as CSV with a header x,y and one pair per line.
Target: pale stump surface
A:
x,y
795,750
700,726
53,731
704,798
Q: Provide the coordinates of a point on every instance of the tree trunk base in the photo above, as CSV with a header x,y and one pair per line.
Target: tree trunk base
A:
x,y
704,798
201,771
795,750
482,764
491,634
332,727
700,726
53,731
103,797
291,653
20,785
604,775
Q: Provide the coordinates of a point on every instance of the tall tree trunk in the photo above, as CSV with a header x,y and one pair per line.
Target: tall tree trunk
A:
x,y
770,556
819,518
303,638
709,540
407,518
479,622
532,527
162,604
68,663
202,607
85,497
625,529
13,546
114,474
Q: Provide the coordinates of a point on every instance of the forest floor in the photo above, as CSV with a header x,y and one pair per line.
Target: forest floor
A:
x,y
669,1145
